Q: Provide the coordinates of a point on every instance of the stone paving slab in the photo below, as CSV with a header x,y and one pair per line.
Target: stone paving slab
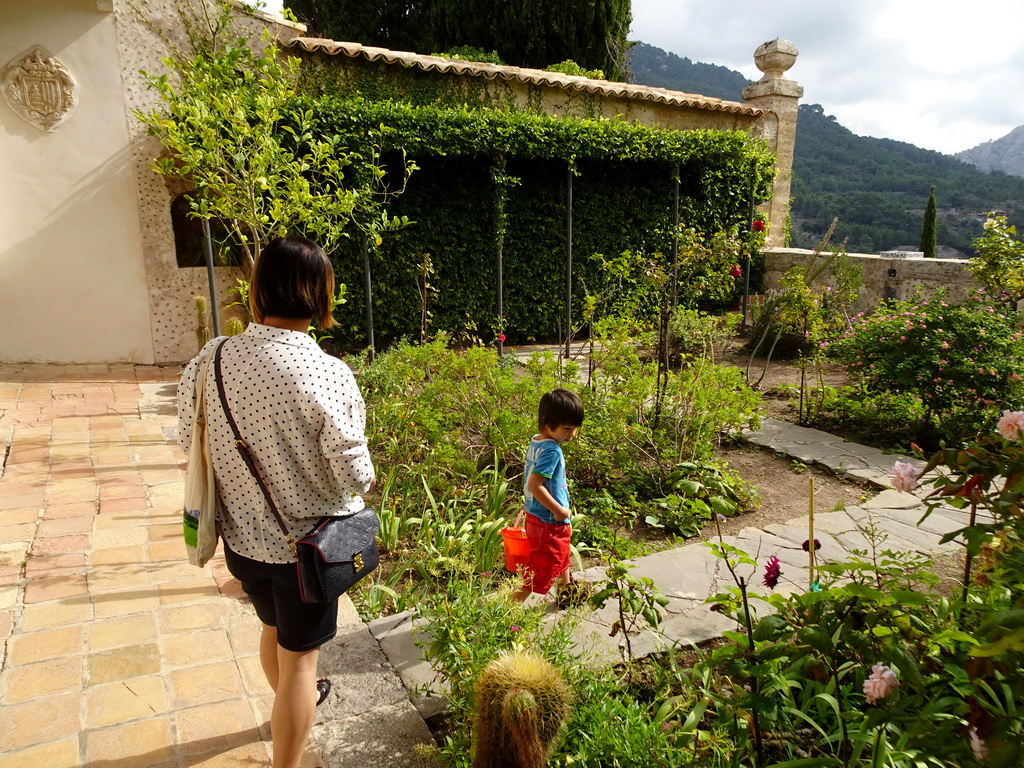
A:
x,y
693,570
397,636
368,719
858,462
391,736
795,531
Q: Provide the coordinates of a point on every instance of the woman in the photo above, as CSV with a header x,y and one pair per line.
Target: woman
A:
x,y
300,411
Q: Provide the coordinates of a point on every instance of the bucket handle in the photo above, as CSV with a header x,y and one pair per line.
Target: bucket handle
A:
x,y
519,520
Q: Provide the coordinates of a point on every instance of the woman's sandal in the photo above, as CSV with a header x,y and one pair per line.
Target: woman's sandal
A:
x,y
323,687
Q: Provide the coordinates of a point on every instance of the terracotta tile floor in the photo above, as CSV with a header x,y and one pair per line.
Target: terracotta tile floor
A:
x,y
114,651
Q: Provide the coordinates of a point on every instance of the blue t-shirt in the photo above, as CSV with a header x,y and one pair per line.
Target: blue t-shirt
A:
x,y
544,457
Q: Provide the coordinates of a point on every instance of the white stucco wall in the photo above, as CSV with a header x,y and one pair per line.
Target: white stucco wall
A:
x,y
72,279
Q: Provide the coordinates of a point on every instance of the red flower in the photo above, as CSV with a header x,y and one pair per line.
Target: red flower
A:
x,y
772,571
757,226
501,337
735,271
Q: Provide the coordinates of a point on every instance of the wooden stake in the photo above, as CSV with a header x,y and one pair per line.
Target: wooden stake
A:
x,y
810,529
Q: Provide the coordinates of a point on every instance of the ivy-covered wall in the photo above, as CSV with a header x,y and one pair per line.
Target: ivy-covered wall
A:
x,y
616,206
623,196
493,87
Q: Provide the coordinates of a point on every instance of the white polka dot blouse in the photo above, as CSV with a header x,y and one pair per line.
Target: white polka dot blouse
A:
x,y
301,413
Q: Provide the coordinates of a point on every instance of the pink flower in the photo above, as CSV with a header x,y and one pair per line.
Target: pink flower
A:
x,y
880,683
905,476
1011,425
772,571
977,745
514,628
735,271
501,337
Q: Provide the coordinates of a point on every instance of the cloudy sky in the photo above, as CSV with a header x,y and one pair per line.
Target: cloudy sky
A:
x,y
944,75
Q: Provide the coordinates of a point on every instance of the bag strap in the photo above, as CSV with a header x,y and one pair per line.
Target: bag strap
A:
x,y
243,449
200,397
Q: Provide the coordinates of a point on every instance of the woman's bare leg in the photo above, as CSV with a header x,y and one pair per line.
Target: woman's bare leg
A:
x,y
268,654
294,705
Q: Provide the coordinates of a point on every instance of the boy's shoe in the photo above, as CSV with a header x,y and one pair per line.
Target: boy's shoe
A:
x,y
573,594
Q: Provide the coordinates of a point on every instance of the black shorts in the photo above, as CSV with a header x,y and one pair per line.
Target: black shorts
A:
x,y
274,591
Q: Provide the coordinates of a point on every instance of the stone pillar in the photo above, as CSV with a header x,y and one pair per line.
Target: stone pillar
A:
x,y
779,97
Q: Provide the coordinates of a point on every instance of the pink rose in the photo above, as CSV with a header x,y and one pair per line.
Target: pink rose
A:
x,y
880,683
905,476
1011,425
501,337
735,271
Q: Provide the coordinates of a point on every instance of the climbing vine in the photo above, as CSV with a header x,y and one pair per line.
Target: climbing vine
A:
x,y
623,183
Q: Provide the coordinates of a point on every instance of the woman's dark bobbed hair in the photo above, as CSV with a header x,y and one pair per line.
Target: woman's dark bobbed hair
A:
x,y
293,279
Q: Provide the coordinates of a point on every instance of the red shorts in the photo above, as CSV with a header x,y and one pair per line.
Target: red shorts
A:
x,y
549,553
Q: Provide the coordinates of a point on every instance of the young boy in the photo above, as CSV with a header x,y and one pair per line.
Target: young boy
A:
x,y
548,530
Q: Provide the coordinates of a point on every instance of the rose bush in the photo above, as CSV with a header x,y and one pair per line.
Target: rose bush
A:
x,y
959,360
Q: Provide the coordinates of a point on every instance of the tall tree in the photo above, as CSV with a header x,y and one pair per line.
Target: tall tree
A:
x,y
232,133
527,33
928,229
396,24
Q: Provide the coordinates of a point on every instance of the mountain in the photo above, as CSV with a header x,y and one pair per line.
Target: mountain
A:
x,y
1005,154
661,69
877,187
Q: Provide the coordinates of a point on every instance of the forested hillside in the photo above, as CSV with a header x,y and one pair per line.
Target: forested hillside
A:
x,y
877,187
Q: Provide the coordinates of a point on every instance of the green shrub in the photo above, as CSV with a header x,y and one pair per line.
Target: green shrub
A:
x,y
570,67
699,492
999,265
694,334
613,722
469,53
959,360
797,674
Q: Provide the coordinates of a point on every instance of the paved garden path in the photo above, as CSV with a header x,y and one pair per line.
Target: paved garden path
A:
x,y
115,653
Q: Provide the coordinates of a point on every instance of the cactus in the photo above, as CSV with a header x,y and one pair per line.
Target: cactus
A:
x,y
202,326
522,702
234,327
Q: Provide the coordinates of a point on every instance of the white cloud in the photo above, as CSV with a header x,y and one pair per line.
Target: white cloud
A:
x,y
943,75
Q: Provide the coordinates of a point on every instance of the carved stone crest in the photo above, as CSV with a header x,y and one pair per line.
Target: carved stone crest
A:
x,y
39,89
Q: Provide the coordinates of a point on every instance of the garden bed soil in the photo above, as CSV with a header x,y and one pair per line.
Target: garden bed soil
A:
x,y
778,379
781,483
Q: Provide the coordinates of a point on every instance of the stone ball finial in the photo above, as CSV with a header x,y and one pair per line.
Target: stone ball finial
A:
x,y
775,57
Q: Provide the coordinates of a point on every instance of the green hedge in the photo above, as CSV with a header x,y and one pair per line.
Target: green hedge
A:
x,y
623,190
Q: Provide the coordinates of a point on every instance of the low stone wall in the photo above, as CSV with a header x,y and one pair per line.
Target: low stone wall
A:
x,y
884,277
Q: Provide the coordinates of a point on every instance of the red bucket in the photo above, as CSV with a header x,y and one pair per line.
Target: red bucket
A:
x,y
517,547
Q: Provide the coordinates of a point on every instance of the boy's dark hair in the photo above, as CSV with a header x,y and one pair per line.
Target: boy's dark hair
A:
x,y
560,408
293,279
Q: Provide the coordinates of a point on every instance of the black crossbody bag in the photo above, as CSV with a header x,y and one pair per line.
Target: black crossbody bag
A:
x,y
337,552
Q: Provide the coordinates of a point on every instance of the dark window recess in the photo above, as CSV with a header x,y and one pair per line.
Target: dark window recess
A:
x,y
188,238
